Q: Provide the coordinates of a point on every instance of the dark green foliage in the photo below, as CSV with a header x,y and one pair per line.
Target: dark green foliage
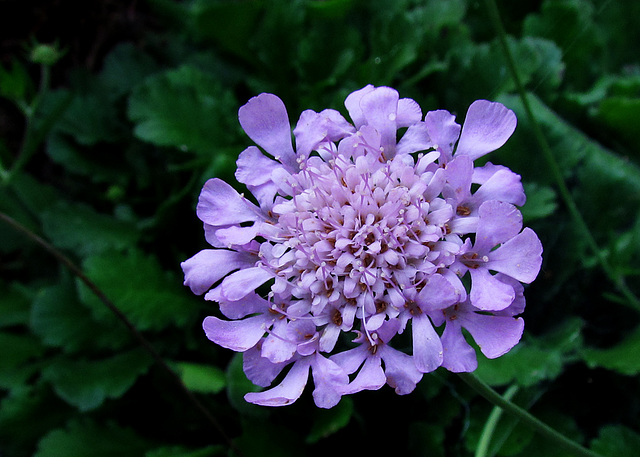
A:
x,y
103,153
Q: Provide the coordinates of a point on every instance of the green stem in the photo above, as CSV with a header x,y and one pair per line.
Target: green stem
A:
x,y
565,194
492,423
525,417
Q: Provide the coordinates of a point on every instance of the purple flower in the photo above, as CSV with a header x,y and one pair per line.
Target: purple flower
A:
x,y
358,232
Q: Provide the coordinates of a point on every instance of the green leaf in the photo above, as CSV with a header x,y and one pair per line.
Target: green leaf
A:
x,y
86,384
237,386
151,298
82,230
206,379
14,306
329,421
616,441
61,320
541,202
622,358
184,108
25,415
15,83
17,363
124,68
88,439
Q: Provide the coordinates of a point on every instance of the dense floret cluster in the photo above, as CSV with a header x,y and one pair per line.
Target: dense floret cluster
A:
x,y
369,229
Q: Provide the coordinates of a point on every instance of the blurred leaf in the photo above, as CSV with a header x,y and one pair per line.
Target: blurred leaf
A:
x,y
152,299
541,202
84,231
15,83
124,68
14,306
92,117
61,320
186,109
17,361
616,441
177,451
237,386
86,384
88,439
329,421
622,358
570,24
206,379
25,415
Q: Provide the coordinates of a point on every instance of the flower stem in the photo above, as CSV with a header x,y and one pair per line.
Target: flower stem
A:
x,y
565,194
525,417
492,423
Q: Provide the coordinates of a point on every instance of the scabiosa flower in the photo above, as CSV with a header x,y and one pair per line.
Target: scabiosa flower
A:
x,y
369,229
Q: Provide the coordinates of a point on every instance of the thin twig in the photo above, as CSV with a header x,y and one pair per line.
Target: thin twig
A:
x,y
63,259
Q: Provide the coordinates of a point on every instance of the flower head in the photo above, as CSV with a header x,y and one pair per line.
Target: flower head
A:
x,y
358,232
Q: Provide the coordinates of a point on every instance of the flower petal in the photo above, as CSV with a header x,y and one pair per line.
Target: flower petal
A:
x,y
487,292
380,108
220,204
488,126
499,222
208,266
241,283
352,103
520,257
427,348
264,118
400,370
258,369
313,128
459,356
330,380
443,131
237,335
288,391
495,335
254,169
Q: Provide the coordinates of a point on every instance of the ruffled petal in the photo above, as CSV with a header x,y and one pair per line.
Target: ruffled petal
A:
x,y
220,204
503,185
415,139
520,257
264,118
207,267
313,128
409,112
488,126
380,107
495,335
352,103
443,131
241,283
330,380
400,370
288,391
237,335
437,294
487,292
459,356
370,377
499,222
427,348
255,169
258,369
